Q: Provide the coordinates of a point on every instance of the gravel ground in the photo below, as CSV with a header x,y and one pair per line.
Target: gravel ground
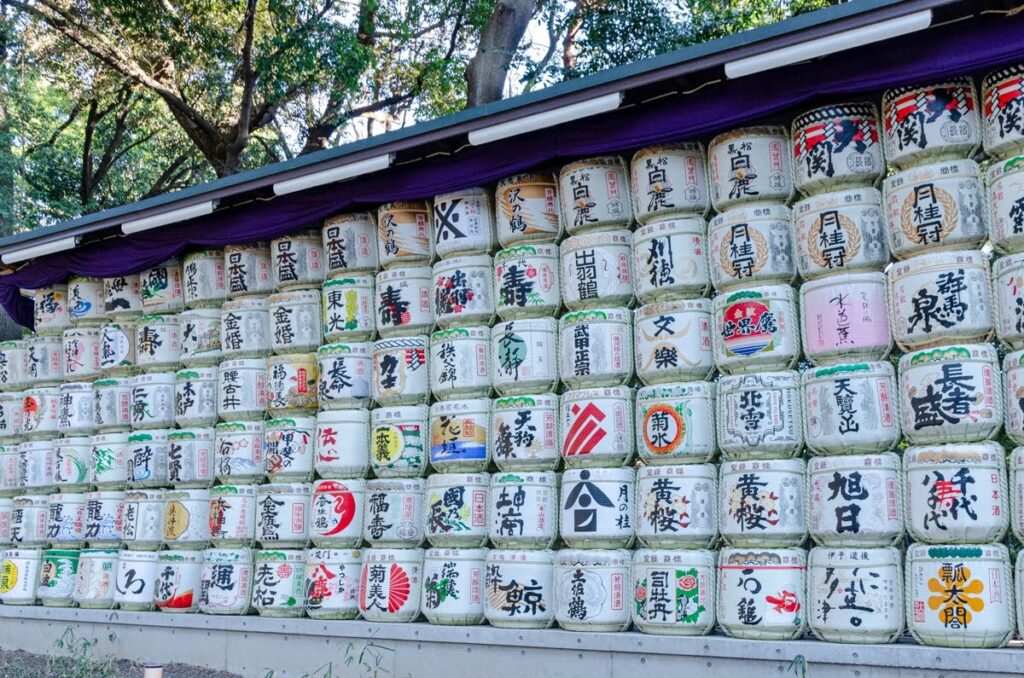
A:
x,y
19,664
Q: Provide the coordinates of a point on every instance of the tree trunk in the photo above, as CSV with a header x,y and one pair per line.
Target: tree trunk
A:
x,y
7,161
487,70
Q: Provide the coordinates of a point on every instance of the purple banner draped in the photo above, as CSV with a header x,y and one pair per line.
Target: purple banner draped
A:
x,y
969,47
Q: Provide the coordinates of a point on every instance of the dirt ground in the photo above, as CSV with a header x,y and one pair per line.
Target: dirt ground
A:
x,y
19,664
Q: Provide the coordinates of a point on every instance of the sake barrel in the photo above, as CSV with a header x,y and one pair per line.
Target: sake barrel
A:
x,y
675,423
232,515
453,586
158,342
6,509
939,298
761,593
590,589
400,372
763,503
670,259
242,385
668,180
342,443
161,288
50,309
462,291
147,458
350,244
36,465
39,412
597,427
117,348
527,281
750,164
143,519
337,513
594,194
596,270
247,270
348,309
596,348
404,301
43,366
837,145
394,514
10,471
13,359
11,415
851,408
200,337
295,325
1002,98
524,435
459,435
840,231
122,296
239,450
460,365
456,509
956,494
936,206
390,585
760,416
598,508
72,468
856,500
288,448
76,409
94,584
331,583
524,356
751,244
80,353
297,260
203,274
951,394
855,595
1005,210
844,317
519,589
85,300
527,209
677,506
245,330
463,222
673,592
404,234
1013,368
178,581
959,596
19,573
135,580
522,508
282,515
187,519
1008,286
398,441
57,574
291,384
65,520
109,463
226,582
195,397
930,122
755,329
113,403
153,400
672,341
345,375
104,518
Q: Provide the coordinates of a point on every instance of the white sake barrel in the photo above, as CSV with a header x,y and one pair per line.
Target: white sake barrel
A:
x,y
65,520
104,518
195,396
761,593
756,329
11,415
347,309
936,206
291,384
524,356
58,572
80,353
668,180
161,288
245,330
36,465
10,471
851,408
856,500
841,231
930,122
453,586
336,518
72,467
178,581
232,515
763,503
460,364
350,244
288,448
143,519
596,348
50,309
94,584
751,244
20,574
456,509
203,273
390,585
331,583
750,164
939,298
226,584
398,441
242,385
122,296
247,270
43,360
463,222
670,259
598,508
187,519
523,509
6,509
951,394
459,435
113,403
295,321
526,281
524,435
594,194
297,260
527,209
400,373
13,360
39,408
596,270
153,400
282,515
675,423
135,580
1013,368
1005,211
342,443
956,494
597,427
463,291
959,596
109,463
394,514
845,317
158,342
76,409
673,592
590,589
239,451
1008,287
760,416
404,301
677,506
345,374
404,233
1001,96
855,595
147,458
672,341
835,146
117,348
277,583
519,589
85,300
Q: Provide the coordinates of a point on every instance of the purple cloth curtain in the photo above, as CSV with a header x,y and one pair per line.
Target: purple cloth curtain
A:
x,y
970,47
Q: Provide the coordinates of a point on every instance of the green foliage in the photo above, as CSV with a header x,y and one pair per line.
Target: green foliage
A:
x,y
77,660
